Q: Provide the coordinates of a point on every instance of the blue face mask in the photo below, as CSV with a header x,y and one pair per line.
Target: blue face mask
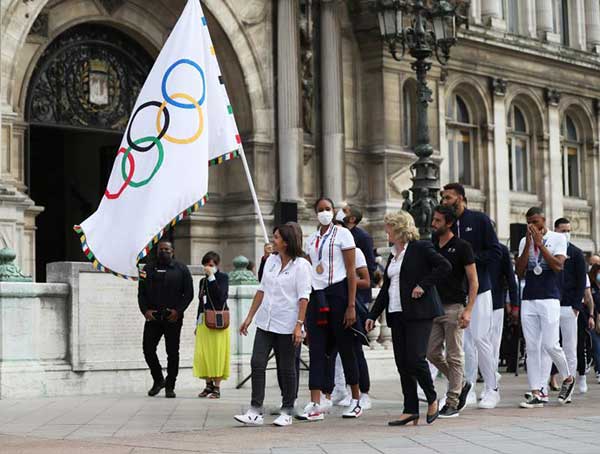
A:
x,y
598,278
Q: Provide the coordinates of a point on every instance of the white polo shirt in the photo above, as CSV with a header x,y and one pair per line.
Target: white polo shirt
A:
x,y
360,260
327,250
282,290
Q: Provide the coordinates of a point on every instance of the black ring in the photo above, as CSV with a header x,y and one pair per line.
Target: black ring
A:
x,y
160,135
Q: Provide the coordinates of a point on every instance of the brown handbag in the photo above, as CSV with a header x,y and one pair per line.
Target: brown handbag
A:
x,y
214,319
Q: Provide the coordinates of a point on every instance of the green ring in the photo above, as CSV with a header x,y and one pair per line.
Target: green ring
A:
x,y
156,141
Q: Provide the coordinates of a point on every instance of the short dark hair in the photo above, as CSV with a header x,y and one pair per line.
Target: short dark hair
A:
x,y
289,235
323,198
561,221
456,187
165,241
448,213
211,255
356,213
534,211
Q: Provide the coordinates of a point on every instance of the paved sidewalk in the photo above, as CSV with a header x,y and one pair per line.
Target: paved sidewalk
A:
x,y
139,424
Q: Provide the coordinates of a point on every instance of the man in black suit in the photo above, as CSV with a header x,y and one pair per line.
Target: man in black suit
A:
x,y
165,291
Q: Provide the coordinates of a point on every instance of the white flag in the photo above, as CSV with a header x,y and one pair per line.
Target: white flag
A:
x,y
181,122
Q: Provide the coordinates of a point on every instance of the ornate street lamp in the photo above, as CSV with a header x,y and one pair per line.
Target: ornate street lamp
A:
x,y
424,28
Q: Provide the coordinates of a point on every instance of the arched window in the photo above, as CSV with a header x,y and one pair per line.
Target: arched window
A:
x,y
461,141
571,158
409,114
519,146
511,13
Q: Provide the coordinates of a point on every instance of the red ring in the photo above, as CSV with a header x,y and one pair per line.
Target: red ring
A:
x,y
117,194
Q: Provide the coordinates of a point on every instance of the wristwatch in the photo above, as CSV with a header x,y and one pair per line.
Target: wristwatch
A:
x,y
300,322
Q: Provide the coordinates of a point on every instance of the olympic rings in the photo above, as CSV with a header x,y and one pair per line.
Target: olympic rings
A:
x,y
161,132
117,194
166,77
155,141
200,120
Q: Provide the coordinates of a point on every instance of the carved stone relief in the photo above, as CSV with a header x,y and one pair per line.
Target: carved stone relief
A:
x,y
307,69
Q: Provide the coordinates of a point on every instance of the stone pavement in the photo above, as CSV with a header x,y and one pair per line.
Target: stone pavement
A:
x,y
139,424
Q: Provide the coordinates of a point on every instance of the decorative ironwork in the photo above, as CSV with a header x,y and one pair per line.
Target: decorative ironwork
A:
x,y
307,61
423,28
90,77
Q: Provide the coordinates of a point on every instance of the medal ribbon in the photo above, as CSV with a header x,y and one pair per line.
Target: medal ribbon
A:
x,y
323,240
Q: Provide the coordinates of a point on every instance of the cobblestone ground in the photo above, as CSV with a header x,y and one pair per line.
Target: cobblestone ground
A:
x,y
139,424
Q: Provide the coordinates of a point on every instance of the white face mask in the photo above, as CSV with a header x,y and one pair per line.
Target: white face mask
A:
x,y
214,269
325,217
567,236
340,216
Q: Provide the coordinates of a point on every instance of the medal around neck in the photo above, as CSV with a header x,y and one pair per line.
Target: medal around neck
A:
x,y
320,268
537,270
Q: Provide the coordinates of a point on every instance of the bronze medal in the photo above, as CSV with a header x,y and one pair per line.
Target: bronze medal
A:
x,y
320,268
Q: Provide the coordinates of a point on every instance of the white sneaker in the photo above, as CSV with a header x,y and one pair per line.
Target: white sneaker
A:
x,y
346,401
354,410
472,397
498,377
312,412
490,400
338,395
250,418
582,384
482,394
326,404
598,377
365,402
283,420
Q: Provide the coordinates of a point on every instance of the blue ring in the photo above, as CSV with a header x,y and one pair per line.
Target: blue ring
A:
x,y
166,76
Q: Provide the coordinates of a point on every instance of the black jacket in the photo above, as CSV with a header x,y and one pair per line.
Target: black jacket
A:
x,y
573,280
422,266
476,228
502,275
171,289
218,292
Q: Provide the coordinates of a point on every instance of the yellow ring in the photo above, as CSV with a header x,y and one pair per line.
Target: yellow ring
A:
x,y
200,123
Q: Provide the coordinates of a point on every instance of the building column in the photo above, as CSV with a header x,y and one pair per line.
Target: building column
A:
x,y
289,118
475,11
500,193
332,101
592,25
577,25
527,24
594,188
492,14
553,198
545,21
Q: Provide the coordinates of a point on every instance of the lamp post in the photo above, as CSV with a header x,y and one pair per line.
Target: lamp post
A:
x,y
424,28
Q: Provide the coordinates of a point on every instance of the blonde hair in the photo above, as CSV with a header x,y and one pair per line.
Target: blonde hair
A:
x,y
402,225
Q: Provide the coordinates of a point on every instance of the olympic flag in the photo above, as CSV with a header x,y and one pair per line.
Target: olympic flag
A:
x,y
182,121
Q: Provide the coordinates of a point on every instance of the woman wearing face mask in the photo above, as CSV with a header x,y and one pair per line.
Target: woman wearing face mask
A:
x,y
331,311
211,355
280,308
595,332
411,302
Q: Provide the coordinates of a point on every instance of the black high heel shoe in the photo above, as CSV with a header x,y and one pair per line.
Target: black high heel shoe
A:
x,y
403,422
433,417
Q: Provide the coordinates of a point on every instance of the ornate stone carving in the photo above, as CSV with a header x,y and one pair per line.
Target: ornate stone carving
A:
x,y
499,86
40,26
112,5
241,275
307,61
9,271
253,12
552,96
89,76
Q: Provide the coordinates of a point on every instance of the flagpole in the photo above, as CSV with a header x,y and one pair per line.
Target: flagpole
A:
x,y
253,192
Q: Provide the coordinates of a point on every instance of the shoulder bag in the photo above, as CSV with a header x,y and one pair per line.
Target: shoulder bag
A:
x,y
213,318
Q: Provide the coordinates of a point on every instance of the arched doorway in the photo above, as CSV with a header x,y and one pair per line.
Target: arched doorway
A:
x,y
79,100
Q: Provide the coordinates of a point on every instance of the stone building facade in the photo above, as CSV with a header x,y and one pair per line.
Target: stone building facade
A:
x,y
322,108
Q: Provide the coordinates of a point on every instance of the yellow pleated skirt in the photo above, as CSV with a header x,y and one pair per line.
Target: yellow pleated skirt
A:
x,y
211,353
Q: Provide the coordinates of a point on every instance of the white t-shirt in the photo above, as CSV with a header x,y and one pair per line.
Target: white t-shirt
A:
x,y
282,290
361,261
327,251
545,285
393,272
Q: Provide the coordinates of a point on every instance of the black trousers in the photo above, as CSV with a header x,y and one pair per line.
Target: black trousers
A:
x,y
297,365
285,352
584,343
410,339
322,340
364,380
153,331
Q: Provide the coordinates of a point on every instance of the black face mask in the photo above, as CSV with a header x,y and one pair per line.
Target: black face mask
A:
x,y
164,258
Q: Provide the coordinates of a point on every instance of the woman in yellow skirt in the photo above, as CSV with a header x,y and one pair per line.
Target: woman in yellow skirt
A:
x,y
212,352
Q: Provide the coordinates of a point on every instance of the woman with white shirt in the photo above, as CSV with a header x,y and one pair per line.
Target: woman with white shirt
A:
x,y
411,302
280,308
331,311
